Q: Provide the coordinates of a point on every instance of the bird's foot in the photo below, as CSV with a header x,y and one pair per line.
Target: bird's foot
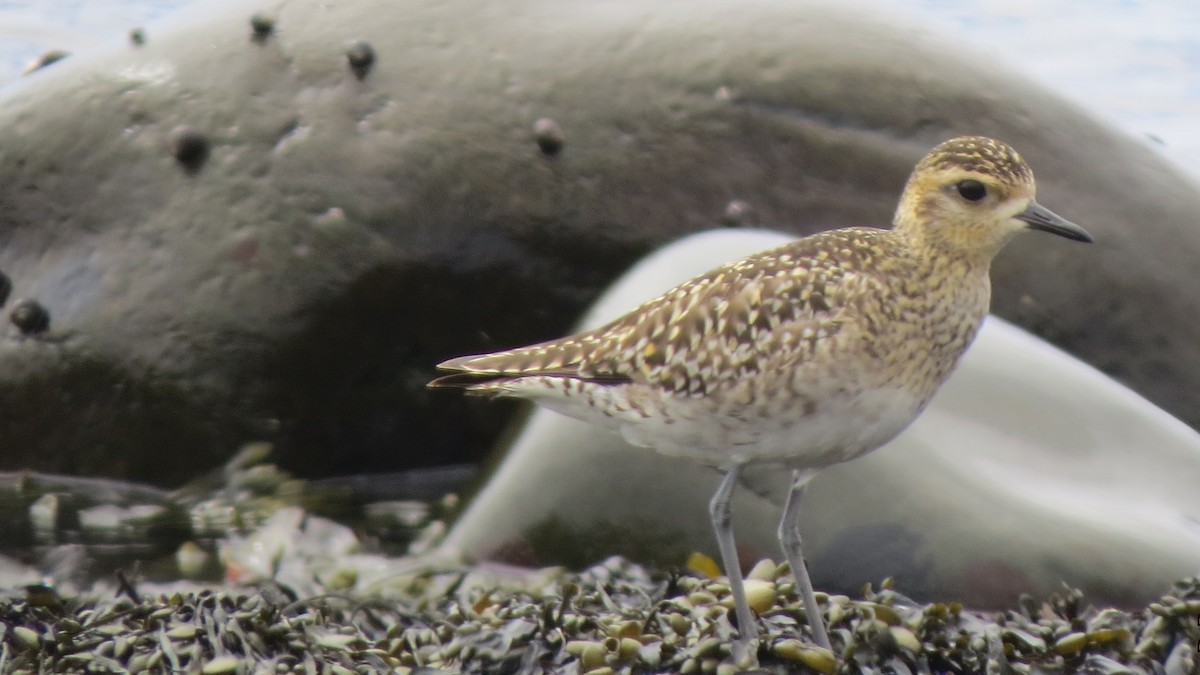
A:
x,y
745,653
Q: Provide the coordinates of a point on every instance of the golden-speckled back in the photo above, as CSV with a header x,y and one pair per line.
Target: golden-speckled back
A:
x,y
857,289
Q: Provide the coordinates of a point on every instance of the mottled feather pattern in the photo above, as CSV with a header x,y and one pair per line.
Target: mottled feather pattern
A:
x,y
777,309
728,325
720,326
976,154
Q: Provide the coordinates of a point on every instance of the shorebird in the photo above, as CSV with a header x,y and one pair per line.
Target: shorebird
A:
x,y
806,355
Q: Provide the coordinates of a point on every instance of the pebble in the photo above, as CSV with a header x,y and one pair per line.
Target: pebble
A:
x,y
613,618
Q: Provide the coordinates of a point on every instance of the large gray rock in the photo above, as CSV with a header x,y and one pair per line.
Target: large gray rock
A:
x,y
1029,469
291,267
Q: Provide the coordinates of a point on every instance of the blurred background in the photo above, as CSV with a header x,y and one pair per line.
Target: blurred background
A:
x,y
1135,63
365,233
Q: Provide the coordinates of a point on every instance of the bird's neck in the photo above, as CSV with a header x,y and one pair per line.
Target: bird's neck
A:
x,y
946,257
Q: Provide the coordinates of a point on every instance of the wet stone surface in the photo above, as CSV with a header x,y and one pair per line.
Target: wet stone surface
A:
x,y
5,288
262,25
30,317
361,56
549,136
190,147
223,297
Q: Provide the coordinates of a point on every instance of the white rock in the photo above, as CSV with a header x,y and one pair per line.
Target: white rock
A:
x,y
1029,468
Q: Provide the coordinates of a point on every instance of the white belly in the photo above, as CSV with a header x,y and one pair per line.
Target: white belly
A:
x,y
779,429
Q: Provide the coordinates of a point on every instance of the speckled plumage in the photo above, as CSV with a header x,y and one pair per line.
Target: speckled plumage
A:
x,y
809,354
739,363
749,351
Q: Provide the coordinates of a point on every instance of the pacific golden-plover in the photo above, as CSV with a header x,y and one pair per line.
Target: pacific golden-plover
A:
x,y
806,355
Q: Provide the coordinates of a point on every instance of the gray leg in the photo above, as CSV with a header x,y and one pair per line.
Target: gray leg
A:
x,y
722,522
789,537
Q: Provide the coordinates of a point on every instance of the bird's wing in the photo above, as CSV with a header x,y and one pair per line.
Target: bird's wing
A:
x,y
560,358
727,321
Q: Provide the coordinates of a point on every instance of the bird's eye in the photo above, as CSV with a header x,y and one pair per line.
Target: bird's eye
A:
x,y
971,190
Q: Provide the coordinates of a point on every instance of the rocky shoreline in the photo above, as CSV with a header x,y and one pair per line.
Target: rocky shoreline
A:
x,y
268,582
616,617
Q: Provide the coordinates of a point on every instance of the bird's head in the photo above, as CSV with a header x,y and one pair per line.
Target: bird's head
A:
x,y
971,195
